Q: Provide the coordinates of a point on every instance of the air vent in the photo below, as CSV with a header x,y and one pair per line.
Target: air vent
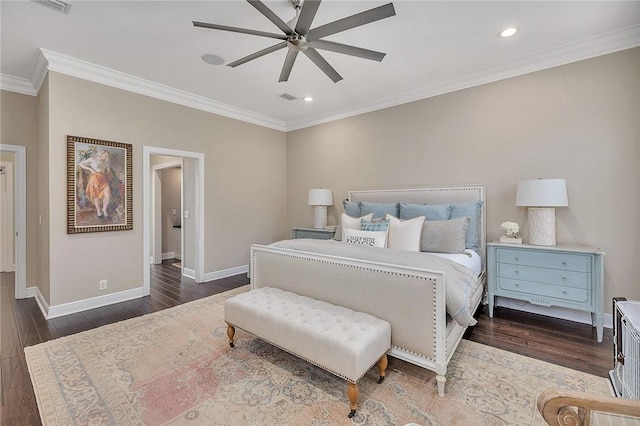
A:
x,y
58,5
288,97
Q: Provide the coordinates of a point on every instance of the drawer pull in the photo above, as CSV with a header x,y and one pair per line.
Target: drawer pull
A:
x,y
564,263
517,285
564,278
564,292
517,272
517,259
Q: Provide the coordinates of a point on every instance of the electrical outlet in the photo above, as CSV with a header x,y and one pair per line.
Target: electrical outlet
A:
x,y
103,284
187,215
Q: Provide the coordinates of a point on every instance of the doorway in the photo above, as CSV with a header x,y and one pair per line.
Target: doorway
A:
x,y
7,226
17,239
167,238
191,213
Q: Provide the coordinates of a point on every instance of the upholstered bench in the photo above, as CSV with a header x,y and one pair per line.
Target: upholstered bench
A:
x,y
342,341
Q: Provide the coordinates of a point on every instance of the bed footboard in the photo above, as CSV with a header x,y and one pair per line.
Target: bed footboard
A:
x,y
412,300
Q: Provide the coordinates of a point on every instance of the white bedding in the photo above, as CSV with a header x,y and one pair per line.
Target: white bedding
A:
x,y
468,258
461,282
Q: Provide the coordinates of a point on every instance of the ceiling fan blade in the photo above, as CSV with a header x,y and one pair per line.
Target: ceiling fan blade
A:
x,y
353,21
268,13
347,50
258,54
288,65
238,30
323,64
308,12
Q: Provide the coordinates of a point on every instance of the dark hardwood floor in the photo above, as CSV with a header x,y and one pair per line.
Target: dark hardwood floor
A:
x,y
560,342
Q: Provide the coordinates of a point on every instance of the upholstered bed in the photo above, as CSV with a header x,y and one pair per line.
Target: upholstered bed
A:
x,y
427,298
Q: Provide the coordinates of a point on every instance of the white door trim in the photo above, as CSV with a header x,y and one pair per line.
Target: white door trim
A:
x,y
20,214
147,176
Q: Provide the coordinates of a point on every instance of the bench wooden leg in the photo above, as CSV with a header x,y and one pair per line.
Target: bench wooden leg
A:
x,y
352,393
382,367
231,331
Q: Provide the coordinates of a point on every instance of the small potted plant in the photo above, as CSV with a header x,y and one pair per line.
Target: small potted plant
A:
x,y
511,230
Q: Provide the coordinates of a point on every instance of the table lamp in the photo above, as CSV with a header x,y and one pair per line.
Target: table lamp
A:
x,y
542,196
320,199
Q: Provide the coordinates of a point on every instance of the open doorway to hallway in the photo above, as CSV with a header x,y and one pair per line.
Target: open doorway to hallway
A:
x,y
167,235
162,227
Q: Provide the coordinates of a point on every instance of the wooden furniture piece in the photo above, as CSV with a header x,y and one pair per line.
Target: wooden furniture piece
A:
x,y
564,276
340,340
557,407
316,233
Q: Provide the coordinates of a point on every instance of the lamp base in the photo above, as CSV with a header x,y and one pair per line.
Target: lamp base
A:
x,y
319,217
542,226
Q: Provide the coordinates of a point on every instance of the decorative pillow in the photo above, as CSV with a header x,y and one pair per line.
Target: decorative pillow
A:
x,y
473,210
347,221
365,238
444,236
405,235
430,211
351,208
379,225
378,209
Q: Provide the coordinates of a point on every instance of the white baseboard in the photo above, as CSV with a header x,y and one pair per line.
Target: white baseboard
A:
x,y
168,255
210,276
552,311
31,292
189,273
50,312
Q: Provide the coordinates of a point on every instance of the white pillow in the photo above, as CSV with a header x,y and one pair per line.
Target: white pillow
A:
x,y
404,234
348,222
365,238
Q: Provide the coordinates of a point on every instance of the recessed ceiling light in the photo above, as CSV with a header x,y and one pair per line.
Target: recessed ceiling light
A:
x,y
507,32
212,59
308,99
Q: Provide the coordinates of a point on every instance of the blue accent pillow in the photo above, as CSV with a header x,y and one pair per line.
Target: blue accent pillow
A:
x,y
430,211
351,208
378,209
472,210
381,225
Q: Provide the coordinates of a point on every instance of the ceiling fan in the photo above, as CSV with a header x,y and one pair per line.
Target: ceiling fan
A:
x,y
300,37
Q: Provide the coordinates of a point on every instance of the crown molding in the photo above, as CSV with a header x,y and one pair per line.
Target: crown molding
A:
x,y
17,85
615,41
98,74
626,38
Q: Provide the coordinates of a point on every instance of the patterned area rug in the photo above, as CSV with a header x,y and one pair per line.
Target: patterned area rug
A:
x,y
175,367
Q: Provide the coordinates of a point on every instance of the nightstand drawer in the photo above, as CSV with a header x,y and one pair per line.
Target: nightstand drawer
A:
x,y
557,260
537,293
544,275
318,234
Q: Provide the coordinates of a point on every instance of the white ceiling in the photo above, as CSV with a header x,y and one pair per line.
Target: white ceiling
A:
x,y
432,47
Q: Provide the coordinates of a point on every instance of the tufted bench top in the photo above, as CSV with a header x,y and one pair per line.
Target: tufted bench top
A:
x,y
340,340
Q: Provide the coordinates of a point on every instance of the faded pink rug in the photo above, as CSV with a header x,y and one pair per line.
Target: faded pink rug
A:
x,y
175,367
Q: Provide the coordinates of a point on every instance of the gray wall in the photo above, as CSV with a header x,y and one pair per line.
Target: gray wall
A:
x,y
171,191
18,126
579,122
245,188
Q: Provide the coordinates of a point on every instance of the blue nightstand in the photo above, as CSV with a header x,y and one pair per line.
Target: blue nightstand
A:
x,y
565,276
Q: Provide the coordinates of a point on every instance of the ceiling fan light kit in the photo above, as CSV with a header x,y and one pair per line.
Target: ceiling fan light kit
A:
x,y
298,36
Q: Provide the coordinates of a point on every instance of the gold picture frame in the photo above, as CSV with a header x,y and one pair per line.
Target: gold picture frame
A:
x,y
99,185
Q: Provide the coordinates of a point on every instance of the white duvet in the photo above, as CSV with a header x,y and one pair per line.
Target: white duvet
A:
x,y
461,282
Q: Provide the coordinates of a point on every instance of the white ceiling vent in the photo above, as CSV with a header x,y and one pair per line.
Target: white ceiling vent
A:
x,y
288,97
58,5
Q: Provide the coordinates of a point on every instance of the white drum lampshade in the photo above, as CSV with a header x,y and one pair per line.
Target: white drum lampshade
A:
x,y
542,196
320,199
